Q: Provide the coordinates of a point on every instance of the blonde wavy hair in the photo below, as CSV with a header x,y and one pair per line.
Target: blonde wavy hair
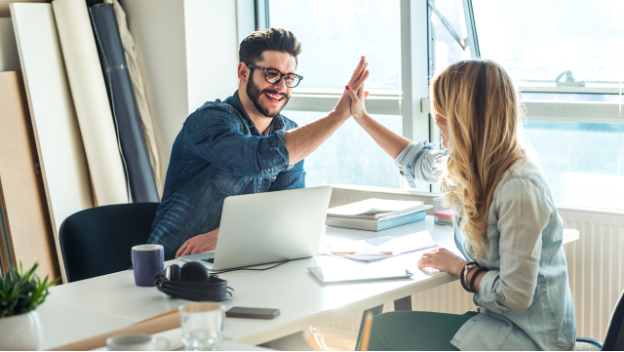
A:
x,y
479,100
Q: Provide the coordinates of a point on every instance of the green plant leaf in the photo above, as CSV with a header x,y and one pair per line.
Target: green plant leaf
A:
x,y
22,292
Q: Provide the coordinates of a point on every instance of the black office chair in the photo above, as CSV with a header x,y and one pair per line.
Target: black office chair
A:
x,y
98,241
614,340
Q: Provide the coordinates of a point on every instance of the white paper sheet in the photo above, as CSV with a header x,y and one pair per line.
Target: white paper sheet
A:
x,y
369,250
91,101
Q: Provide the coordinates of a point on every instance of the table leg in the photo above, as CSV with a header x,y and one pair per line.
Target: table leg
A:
x,y
404,303
374,311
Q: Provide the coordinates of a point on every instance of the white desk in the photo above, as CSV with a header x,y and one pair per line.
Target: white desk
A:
x,y
302,299
66,324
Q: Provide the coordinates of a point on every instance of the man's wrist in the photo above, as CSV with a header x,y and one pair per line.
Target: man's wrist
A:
x,y
340,115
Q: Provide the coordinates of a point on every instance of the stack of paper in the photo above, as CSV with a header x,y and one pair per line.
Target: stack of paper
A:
x,y
443,217
376,214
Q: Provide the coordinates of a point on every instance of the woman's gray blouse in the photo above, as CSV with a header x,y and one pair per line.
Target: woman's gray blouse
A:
x,y
525,300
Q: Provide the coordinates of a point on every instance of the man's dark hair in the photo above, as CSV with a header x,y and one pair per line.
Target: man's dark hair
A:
x,y
274,39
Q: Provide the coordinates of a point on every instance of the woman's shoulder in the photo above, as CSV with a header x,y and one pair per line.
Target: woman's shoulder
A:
x,y
523,177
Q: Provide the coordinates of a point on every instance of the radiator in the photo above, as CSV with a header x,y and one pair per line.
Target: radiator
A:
x,y
595,269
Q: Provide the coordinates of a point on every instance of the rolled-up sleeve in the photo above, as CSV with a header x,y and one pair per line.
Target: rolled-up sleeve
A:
x,y
417,162
215,136
523,213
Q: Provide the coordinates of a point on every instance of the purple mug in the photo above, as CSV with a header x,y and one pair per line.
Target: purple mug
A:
x,y
147,261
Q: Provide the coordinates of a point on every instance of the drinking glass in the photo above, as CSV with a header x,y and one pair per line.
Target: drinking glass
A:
x,y
202,326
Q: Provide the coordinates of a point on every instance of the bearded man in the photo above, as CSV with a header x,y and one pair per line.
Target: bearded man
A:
x,y
241,145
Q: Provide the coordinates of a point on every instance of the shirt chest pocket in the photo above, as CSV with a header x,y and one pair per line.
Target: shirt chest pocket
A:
x,y
227,184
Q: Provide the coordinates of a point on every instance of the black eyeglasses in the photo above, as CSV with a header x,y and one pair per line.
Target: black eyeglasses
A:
x,y
273,76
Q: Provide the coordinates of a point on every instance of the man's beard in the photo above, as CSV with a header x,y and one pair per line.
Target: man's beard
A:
x,y
254,93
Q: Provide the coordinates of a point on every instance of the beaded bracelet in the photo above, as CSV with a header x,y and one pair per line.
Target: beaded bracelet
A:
x,y
463,275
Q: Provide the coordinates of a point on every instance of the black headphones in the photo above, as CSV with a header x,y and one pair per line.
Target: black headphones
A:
x,y
192,282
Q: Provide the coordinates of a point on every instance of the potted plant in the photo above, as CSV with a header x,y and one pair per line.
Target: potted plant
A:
x,y
20,295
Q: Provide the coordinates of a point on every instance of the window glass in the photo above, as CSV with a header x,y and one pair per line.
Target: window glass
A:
x,y
538,40
350,156
447,50
334,34
580,162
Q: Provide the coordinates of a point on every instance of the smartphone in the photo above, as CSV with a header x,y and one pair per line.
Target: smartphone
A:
x,y
255,313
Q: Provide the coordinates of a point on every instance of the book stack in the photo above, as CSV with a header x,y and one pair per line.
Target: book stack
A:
x,y
443,217
376,214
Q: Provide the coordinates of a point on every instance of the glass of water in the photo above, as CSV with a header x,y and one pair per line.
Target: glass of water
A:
x,y
202,326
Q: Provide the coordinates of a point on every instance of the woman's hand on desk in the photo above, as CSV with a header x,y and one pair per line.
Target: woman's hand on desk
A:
x,y
199,244
443,260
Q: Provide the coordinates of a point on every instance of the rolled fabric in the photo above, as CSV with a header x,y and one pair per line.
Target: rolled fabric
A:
x,y
127,40
123,104
91,101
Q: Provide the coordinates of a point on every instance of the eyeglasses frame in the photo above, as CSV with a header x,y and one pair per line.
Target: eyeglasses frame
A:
x,y
266,71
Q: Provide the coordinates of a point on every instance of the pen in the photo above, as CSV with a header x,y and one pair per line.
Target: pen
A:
x,y
381,252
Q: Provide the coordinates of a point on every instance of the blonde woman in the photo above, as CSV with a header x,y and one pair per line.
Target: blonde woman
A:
x,y
508,227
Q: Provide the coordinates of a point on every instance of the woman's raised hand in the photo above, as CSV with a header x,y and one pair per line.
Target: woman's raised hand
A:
x,y
356,82
357,95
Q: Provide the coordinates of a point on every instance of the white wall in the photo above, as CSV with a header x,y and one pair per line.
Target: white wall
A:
x,y
188,55
211,50
158,30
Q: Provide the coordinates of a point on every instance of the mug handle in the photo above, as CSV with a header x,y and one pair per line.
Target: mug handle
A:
x,y
162,344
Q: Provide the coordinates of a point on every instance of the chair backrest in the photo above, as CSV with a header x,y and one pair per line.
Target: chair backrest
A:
x,y
614,341
98,241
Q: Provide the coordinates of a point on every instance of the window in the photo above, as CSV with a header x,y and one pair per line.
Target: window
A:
x,y
537,40
334,34
580,154
573,125
447,50
350,156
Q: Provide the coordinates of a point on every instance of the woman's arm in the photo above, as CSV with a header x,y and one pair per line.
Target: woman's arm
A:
x,y
416,161
390,142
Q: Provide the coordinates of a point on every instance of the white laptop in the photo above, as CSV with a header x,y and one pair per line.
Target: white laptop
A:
x,y
268,227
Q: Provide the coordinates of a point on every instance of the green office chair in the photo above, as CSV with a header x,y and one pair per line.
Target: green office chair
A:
x,y
614,339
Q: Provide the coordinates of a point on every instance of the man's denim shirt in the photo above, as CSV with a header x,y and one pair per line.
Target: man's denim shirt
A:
x,y
525,300
219,153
